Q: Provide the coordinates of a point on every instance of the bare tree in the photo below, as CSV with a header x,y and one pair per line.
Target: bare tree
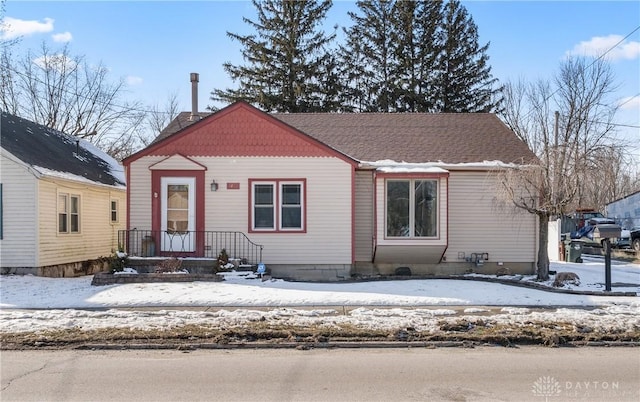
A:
x,y
68,94
160,116
571,143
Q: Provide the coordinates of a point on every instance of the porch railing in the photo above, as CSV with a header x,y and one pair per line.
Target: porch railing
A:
x,y
197,244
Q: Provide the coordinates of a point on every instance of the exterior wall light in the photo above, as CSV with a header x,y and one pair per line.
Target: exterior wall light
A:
x,y
214,185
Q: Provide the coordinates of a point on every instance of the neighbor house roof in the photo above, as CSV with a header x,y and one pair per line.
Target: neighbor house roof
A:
x,y
403,137
54,153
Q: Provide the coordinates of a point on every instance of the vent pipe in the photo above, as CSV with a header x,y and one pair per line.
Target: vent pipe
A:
x,y
194,96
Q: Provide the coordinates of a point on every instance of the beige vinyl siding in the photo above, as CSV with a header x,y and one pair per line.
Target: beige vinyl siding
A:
x,y
364,214
19,213
328,204
98,236
478,222
140,197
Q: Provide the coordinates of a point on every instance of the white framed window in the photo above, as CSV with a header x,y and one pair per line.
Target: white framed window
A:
x,y
411,208
113,211
68,213
277,205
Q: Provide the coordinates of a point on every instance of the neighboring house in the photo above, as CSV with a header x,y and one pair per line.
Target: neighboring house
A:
x,y
63,201
328,196
626,211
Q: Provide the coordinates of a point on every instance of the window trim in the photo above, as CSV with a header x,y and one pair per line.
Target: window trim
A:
x,y
412,181
278,185
112,211
68,197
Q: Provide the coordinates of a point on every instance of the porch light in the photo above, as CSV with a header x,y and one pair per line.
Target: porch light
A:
x,y
214,185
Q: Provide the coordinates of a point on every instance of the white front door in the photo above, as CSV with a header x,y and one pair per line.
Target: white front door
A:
x,y
178,214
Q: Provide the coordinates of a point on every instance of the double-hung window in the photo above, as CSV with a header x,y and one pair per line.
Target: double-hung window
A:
x,y
277,205
411,208
114,211
68,213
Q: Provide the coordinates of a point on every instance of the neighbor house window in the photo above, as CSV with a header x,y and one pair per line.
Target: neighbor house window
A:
x,y
114,211
277,205
412,208
68,213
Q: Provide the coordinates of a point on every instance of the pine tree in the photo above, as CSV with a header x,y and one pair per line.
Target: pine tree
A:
x,y
287,59
368,57
418,44
465,80
416,56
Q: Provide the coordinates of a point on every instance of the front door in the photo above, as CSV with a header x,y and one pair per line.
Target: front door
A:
x,y
178,214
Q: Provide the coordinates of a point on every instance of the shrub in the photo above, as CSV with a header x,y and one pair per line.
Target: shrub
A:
x,y
170,265
118,261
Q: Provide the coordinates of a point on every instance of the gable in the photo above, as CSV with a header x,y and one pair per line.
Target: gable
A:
x,y
177,162
239,130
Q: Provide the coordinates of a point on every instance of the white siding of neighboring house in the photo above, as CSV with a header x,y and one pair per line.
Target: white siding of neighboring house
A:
x,y
329,204
98,237
479,223
364,214
19,211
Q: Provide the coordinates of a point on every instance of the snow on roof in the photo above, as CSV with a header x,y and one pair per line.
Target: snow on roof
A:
x,y
116,169
392,166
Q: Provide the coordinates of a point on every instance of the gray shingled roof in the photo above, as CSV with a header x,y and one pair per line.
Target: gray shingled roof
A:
x,y
42,147
403,137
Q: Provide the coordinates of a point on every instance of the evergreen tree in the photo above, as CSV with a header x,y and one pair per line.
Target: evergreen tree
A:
x,y
416,56
287,59
368,56
465,80
418,44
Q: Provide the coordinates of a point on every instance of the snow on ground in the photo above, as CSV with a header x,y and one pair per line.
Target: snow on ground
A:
x,y
30,303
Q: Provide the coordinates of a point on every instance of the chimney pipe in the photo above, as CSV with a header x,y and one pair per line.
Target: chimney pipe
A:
x,y
194,96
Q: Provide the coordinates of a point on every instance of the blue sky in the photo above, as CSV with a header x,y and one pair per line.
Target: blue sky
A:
x,y
155,45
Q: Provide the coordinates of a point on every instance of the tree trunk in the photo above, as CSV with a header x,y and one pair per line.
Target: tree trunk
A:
x,y
543,239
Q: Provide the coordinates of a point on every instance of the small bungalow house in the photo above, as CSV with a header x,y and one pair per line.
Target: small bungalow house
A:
x,y
62,201
330,196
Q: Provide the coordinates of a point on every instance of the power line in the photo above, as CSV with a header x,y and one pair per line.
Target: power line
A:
x,y
589,66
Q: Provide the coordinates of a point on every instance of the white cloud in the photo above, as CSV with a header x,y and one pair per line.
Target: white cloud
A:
x,y
598,45
630,103
133,80
55,61
62,37
14,28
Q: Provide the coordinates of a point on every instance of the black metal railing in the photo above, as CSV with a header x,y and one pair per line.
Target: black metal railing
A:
x,y
197,244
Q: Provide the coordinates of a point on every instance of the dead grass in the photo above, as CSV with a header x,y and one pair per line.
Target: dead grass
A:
x,y
193,336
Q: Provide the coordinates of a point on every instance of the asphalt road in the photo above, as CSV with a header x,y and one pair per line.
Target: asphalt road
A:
x,y
418,374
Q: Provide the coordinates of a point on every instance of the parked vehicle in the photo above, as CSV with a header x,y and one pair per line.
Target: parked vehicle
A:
x,y
634,238
585,233
624,241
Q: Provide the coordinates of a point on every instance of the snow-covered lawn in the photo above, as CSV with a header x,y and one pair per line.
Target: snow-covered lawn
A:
x,y
74,303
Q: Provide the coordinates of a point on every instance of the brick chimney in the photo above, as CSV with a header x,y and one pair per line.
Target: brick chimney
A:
x,y
194,97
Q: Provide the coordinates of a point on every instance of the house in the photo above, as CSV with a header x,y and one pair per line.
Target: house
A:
x,y
63,202
626,210
331,196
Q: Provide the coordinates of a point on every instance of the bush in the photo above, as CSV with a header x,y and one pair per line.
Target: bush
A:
x,y
118,261
170,265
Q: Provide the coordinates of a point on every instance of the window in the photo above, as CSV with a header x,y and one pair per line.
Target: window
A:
x,y
114,211
68,213
277,205
412,208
